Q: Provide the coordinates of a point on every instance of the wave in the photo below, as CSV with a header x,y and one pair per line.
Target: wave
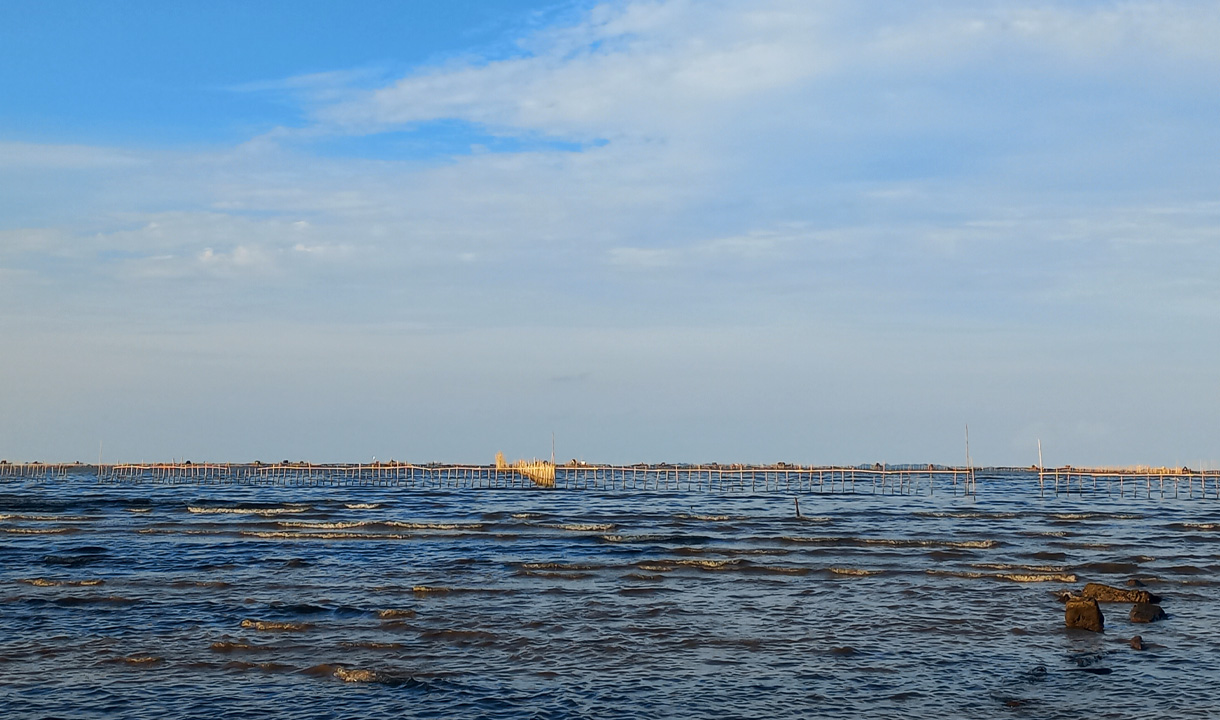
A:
x,y
1195,526
275,626
581,527
859,572
41,531
265,512
893,542
142,660
1015,577
47,518
633,538
434,525
139,510
322,525
284,535
1018,566
559,566
967,514
362,675
361,506
553,575
775,570
711,518
1095,516
46,582
218,584
669,565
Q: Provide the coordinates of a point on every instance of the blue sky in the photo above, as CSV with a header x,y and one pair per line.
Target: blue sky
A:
x,y
663,230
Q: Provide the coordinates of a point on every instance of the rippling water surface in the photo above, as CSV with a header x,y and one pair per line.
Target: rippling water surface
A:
x,y
152,601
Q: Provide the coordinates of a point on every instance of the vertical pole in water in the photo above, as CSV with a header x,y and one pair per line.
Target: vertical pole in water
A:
x,y
1041,487
969,465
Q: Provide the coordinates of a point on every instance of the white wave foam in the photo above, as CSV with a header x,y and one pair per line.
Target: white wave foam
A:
x,y
1201,526
266,512
582,527
321,525
274,626
46,518
285,535
434,525
1018,566
39,531
46,582
1015,577
858,572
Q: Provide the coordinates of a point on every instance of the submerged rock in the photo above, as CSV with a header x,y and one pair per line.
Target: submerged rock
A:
x,y
1146,613
1084,614
1137,643
1108,594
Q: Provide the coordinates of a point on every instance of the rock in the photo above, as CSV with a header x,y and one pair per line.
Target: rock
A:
x,y
1146,613
1137,643
1135,582
1085,614
1107,594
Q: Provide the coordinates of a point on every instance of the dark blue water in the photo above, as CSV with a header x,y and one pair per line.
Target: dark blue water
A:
x,y
151,601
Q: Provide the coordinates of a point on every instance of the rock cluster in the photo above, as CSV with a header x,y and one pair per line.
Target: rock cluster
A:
x,y
1082,610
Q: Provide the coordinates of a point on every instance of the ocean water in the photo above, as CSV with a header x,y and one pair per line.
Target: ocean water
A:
x,y
162,601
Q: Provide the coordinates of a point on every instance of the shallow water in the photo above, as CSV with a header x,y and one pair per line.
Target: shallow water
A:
x,y
183,601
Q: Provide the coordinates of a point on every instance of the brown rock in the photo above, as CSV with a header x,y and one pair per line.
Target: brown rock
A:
x,y
1146,613
1137,643
1108,594
1085,614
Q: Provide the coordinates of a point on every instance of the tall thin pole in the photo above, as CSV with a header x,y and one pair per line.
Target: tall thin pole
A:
x,y
552,448
969,462
1040,466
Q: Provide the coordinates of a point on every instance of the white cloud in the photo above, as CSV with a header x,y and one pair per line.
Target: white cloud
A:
x,y
636,69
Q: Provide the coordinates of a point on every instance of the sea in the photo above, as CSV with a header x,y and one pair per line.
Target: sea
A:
x,y
144,600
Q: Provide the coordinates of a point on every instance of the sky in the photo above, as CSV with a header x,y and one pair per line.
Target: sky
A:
x,y
812,231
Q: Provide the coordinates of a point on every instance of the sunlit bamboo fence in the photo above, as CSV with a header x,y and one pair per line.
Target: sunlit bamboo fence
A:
x,y
875,479
540,471
1139,481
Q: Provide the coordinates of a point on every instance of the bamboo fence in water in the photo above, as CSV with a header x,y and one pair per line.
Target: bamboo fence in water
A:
x,y
874,479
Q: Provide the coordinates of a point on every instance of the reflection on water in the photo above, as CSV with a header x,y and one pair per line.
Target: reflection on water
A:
x,y
153,601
